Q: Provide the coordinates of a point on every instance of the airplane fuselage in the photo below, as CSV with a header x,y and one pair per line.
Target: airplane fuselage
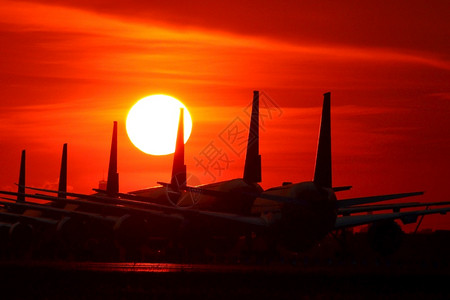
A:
x,y
303,223
297,226
236,197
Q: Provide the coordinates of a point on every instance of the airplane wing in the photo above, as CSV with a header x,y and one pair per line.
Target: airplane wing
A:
x,y
215,193
395,207
18,217
405,217
48,208
140,200
155,210
365,200
250,221
120,208
134,201
272,197
283,199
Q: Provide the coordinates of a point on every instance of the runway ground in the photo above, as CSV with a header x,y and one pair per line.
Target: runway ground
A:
x,y
57,280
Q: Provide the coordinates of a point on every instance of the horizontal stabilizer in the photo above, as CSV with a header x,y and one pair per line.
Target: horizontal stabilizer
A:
x,y
342,188
9,199
372,199
126,196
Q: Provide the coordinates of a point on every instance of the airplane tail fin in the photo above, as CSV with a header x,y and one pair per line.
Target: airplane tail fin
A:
x,y
178,167
322,173
252,168
62,189
21,188
112,184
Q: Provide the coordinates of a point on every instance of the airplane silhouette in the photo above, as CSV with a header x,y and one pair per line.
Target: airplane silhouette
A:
x,y
295,216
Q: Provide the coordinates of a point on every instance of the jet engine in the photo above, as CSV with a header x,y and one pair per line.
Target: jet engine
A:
x,y
131,232
21,238
303,224
385,237
72,234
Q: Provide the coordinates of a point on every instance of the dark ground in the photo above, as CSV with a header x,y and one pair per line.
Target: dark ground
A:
x,y
418,270
79,281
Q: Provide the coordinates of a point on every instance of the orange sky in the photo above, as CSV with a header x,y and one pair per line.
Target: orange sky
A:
x,y
70,68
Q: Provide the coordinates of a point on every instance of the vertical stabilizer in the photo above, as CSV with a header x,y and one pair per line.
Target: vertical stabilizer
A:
x,y
252,168
322,173
21,188
112,185
62,189
179,168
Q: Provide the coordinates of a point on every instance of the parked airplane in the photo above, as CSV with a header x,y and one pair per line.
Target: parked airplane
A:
x,y
294,216
74,220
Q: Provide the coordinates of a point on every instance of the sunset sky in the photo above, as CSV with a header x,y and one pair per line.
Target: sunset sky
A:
x,y
68,69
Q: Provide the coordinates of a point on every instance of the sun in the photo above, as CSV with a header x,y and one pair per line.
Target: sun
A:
x,y
152,124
